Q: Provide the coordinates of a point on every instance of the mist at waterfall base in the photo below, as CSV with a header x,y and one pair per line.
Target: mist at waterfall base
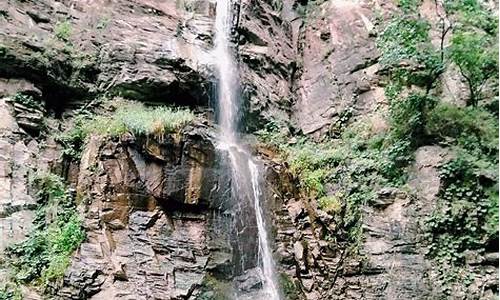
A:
x,y
250,240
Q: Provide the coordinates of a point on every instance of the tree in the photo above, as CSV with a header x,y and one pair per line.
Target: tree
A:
x,y
477,60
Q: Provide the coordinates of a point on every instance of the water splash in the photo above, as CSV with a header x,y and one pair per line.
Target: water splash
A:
x,y
245,172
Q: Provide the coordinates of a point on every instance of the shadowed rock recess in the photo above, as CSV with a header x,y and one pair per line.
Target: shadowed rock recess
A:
x,y
355,208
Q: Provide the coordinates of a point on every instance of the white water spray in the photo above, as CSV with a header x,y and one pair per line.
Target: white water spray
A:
x,y
245,171
267,269
227,73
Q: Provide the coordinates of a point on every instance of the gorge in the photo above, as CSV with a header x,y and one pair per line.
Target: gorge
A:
x,y
244,149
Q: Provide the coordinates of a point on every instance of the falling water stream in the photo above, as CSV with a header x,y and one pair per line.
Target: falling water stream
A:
x,y
245,170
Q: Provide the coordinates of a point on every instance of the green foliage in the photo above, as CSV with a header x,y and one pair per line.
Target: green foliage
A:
x,y
342,174
214,289
273,134
62,31
290,290
408,117
471,15
10,291
331,204
27,100
156,121
73,139
471,128
474,45
409,6
476,55
45,254
142,121
128,117
407,52
468,207
311,162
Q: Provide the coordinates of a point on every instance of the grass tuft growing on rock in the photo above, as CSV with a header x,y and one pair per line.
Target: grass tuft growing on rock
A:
x,y
129,117
141,121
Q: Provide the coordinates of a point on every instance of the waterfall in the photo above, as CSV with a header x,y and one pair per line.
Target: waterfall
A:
x,y
245,171
227,73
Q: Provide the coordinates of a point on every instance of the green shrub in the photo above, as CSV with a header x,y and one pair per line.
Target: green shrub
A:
x,y
105,125
153,121
73,139
467,208
409,6
471,14
273,134
476,55
352,164
62,31
141,121
408,53
331,204
45,254
27,100
408,117
471,128
289,288
10,291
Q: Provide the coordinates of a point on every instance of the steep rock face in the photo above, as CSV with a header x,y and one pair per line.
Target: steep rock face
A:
x,y
20,158
391,261
148,209
149,206
267,61
148,50
338,64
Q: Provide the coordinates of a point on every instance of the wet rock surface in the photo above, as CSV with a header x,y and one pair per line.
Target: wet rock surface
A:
x,y
147,217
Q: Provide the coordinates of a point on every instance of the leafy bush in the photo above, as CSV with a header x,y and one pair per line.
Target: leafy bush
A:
x,y
408,53
476,55
273,134
474,45
73,139
10,291
45,254
331,204
471,15
467,210
62,31
409,116
289,288
27,100
409,6
471,128
351,169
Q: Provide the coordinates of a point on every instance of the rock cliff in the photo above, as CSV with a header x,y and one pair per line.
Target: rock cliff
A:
x,y
152,206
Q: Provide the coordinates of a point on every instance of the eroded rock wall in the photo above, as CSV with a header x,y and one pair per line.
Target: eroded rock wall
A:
x,y
150,206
